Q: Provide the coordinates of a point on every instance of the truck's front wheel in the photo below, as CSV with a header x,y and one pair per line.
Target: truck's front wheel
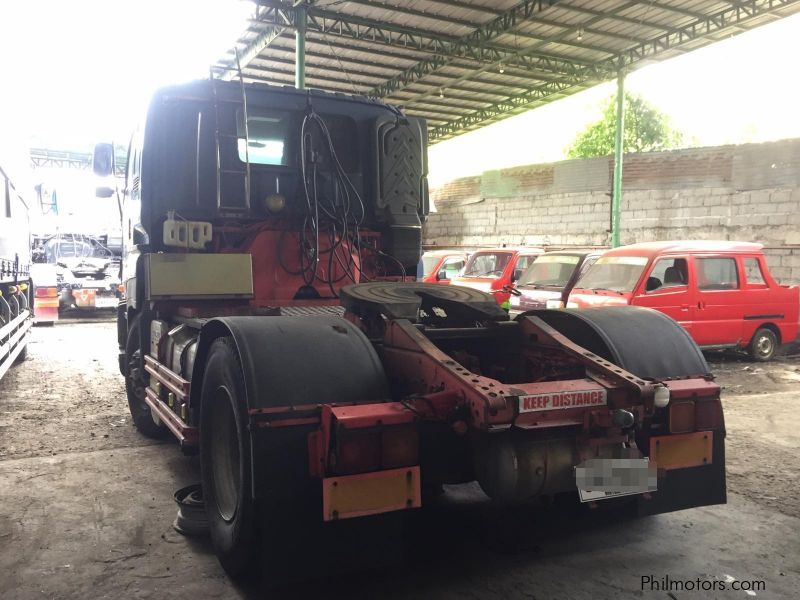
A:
x,y
135,385
225,461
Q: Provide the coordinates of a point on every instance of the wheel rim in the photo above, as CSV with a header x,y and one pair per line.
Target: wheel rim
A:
x,y
136,385
764,346
225,455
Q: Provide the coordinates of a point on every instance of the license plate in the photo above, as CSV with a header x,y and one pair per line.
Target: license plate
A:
x,y
101,302
603,478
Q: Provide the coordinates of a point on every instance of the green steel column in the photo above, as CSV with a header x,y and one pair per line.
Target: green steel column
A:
x,y
616,200
300,49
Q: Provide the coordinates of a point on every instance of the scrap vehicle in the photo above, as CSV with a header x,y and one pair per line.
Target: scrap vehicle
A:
x,y
266,324
86,273
721,292
548,280
15,274
495,270
440,266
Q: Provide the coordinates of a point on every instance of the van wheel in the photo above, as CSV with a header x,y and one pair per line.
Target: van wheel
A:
x,y
135,385
763,345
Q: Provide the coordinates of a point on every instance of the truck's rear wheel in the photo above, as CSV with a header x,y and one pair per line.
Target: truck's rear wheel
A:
x,y
226,463
763,345
135,385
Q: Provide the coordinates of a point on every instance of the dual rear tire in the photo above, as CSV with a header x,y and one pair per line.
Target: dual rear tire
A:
x,y
226,463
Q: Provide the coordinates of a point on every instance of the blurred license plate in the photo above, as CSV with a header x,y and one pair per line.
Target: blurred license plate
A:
x,y
101,302
603,478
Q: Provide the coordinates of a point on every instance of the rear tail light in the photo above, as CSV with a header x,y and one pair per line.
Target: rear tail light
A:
x,y
708,415
385,448
46,292
682,417
358,452
399,447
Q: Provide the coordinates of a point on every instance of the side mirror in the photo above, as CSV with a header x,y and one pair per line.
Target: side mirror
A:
x,y
103,160
653,283
104,192
516,274
442,275
140,237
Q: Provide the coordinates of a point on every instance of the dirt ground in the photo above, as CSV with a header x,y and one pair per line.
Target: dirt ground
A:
x,y
86,505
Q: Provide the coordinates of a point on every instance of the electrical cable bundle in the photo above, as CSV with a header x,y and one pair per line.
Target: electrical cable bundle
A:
x,y
334,213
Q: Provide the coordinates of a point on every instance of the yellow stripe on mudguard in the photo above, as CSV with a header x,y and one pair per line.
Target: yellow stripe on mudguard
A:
x,y
683,450
370,493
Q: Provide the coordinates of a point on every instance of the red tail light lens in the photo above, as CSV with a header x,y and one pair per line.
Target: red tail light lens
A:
x,y
385,448
708,415
681,417
358,452
46,292
400,447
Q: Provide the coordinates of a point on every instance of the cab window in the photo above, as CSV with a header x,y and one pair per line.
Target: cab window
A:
x,y
452,267
668,273
752,272
717,274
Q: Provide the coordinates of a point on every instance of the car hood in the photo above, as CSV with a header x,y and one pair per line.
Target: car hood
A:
x,y
587,298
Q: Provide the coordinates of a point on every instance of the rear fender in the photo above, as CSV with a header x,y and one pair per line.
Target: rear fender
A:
x,y
292,362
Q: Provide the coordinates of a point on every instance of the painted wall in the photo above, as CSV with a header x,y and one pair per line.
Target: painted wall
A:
x,y
749,192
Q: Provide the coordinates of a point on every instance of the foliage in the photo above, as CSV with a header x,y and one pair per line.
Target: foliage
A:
x,y
646,129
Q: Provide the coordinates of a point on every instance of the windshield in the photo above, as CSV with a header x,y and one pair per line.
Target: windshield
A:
x,y
487,264
550,270
614,273
72,246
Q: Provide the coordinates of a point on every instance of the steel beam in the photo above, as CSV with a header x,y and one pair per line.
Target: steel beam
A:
x,y
673,39
619,137
300,48
339,25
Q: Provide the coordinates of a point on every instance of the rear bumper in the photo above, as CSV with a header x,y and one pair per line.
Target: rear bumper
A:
x,y
680,489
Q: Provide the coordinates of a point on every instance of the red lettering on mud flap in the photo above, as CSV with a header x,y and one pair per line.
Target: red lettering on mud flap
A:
x,y
577,399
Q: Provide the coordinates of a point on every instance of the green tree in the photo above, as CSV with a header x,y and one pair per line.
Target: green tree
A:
x,y
646,129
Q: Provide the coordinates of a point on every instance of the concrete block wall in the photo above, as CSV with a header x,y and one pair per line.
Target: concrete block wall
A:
x,y
749,192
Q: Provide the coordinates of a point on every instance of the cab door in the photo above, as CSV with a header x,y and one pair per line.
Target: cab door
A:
x,y
667,289
719,314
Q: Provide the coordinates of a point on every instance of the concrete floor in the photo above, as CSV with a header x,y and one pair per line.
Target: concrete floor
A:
x,y
86,506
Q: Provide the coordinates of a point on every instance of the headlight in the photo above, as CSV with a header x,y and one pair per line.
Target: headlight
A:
x,y
572,305
554,304
661,396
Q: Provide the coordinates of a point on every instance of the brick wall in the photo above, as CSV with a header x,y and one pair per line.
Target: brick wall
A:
x,y
749,192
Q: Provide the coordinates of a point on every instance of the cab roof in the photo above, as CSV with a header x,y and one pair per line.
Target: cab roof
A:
x,y
651,249
516,249
445,253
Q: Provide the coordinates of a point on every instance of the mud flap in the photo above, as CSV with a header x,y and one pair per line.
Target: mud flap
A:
x,y
687,488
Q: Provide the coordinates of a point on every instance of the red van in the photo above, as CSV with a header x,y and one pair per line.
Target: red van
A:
x,y
440,266
548,280
493,270
721,292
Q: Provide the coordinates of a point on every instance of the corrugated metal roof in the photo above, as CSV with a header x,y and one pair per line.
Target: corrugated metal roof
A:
x,y
463,64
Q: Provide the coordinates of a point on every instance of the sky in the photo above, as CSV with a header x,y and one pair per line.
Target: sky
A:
x,y
81,71
743,89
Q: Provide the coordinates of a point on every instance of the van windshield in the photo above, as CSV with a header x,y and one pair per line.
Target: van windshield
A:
x,y
549,270
487,264
613,273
